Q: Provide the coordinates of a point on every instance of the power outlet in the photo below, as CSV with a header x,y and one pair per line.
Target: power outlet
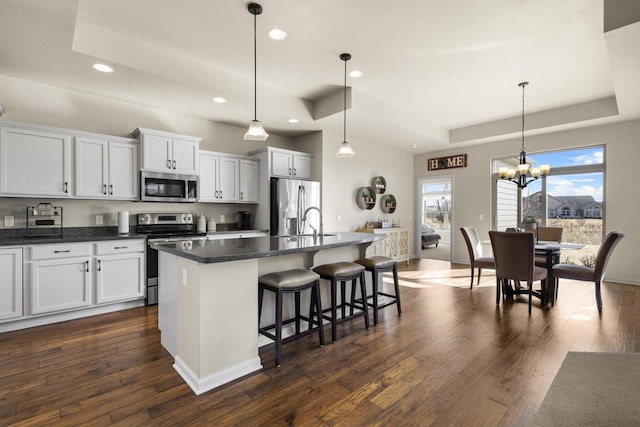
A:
x,y
338,218
99,220
8,221
222,219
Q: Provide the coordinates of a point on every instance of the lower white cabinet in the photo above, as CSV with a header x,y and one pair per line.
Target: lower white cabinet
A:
x,y
119,267
78,275
10,283
61,283
395,245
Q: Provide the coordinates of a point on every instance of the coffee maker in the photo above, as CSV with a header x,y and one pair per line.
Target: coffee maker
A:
x,y
243,220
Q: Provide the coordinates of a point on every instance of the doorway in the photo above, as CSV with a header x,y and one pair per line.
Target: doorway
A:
x,y
435,217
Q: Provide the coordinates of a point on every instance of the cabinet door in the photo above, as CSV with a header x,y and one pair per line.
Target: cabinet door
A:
x,y
185,156
209,167
123,171
228,180
10,283
34,162
281,164
301,166
248,181
61,284
119,277
157,153
91,168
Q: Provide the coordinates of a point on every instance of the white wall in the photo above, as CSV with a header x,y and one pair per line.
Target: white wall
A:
x,y
341,178
30,102
472,186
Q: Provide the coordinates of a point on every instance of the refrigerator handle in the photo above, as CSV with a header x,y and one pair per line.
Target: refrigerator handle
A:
x,y
301,208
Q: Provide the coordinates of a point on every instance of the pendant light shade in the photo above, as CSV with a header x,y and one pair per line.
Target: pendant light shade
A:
x,y
256,132
345,149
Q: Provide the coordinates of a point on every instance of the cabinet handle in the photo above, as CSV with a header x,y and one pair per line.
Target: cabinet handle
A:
x,y
174,164
289,171
111,189
61,252
99,265
121,247
241,196
216,194
104,188
221,194
294,172
86,266
66,187
168,164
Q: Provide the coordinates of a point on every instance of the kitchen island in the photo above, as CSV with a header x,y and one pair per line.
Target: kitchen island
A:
x,y
208,297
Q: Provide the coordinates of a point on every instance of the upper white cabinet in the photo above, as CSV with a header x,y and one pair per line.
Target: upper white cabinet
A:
x,y
10,283
168,152
226,178
248,181
106,169
290,164
34,161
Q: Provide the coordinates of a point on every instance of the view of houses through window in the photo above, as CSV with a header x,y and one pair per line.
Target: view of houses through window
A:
x,y
571,197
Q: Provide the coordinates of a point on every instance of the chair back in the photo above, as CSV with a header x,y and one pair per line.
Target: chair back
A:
x,y
550,234
604,253
473,242
513,254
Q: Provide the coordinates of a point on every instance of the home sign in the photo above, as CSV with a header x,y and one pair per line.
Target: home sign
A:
x,y
458,161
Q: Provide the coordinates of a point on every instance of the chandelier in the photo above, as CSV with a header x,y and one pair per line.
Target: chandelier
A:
x,y
256,132
523,174
345,149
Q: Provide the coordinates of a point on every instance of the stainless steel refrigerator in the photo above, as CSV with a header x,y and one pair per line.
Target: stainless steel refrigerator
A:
x,y
290,199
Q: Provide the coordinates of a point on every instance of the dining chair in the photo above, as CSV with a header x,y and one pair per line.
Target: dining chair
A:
x,y
514,260
591,274
547,234
475,250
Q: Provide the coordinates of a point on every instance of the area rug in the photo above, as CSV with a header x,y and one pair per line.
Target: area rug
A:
x,y
594,389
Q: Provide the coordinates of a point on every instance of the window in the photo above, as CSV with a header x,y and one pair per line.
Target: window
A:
x,y
571,197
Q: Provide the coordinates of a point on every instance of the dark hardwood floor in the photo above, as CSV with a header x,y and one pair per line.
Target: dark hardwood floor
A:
x,y
452,358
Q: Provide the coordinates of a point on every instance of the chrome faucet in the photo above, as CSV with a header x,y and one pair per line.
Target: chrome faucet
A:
x,y
304,219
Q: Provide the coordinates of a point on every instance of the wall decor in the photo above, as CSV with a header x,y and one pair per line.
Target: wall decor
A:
x,y
457,161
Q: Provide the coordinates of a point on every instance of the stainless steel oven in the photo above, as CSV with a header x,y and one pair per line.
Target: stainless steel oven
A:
x,y
163,227
168,187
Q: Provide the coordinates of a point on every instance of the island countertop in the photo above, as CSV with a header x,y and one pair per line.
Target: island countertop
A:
x,y
213,251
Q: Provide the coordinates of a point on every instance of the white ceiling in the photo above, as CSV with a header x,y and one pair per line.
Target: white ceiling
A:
x,y
436,72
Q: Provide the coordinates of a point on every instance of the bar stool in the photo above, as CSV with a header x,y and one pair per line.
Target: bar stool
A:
x,y
285,282
343,272
381,264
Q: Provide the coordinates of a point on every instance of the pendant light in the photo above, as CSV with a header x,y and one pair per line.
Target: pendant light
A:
x,y
256,132
345,149
524,173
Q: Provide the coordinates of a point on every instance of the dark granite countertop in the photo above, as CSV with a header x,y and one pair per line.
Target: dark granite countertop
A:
x,y
18,237
212,251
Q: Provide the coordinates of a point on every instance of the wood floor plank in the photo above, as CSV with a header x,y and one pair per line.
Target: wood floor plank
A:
x,y
451,358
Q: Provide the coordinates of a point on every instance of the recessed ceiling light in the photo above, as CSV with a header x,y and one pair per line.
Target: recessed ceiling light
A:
x,y
355,74
103,67
219,100
293,120
414,146
277,34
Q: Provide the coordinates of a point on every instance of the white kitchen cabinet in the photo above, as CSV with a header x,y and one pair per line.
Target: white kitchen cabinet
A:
x,y
60,277
119,267
168,152
248,181
34,161
106,169
10,283
285,163
219,178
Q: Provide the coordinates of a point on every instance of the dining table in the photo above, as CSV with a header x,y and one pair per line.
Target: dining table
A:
x,y
551,252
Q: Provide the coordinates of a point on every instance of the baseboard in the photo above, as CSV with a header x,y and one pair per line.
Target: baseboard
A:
x,y
203,385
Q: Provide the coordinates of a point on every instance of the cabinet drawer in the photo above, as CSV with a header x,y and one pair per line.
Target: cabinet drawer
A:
x,y
119,246
67,250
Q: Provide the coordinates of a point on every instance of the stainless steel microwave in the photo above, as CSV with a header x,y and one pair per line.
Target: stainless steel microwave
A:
x,y
168,187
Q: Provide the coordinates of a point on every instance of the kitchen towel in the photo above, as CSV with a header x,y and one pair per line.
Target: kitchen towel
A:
x,y
123,222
